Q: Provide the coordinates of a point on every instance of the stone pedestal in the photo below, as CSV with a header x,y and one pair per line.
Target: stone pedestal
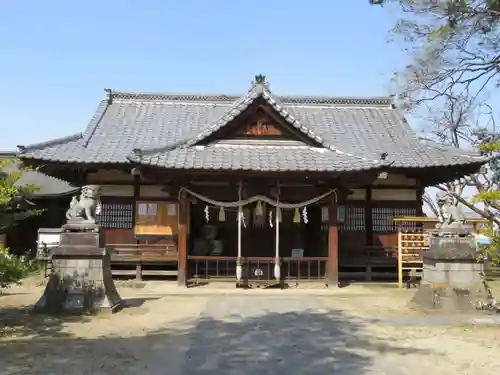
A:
x,y
451,279
81,280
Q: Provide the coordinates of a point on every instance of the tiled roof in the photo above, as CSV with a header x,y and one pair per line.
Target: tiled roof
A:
x,y
250,157
165,129
47,185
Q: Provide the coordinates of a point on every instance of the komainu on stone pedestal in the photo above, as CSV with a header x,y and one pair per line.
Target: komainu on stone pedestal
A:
x,y
452,275
81,280
81,214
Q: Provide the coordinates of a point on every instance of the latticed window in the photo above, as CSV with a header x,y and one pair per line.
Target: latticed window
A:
x,y
116,215
354,219
382,218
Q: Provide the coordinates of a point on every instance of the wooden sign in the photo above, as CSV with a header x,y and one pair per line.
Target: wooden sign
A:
x,y
156,218
260,129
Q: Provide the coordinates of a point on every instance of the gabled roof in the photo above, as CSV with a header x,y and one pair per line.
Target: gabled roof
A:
x,y
47,186
165,130
259,89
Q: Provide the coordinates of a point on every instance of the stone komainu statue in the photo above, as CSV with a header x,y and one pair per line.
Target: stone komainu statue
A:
x,y
84,208
450,214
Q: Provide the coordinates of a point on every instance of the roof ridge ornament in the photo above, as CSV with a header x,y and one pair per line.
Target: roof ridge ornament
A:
x,y
259,83
260,78
109,95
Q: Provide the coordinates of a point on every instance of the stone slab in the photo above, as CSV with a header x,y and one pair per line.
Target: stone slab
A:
x,y
457,274
451,247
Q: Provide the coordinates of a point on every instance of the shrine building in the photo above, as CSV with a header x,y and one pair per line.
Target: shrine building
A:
x,y
251,188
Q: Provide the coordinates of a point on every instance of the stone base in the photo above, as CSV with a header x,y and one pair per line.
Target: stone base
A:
x,y
451,275
80,225
81,282
444,298
459,274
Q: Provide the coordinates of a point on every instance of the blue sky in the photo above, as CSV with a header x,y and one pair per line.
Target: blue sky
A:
x,y
58,56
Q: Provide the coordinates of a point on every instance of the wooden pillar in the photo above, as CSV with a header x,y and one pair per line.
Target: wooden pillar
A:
x,y
277,269
182,240
137,196
400,258
420,200
332,266
369,236
239,267
369,217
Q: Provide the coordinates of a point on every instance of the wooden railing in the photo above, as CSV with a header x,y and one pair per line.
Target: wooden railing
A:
x,y
368,263
140,260
255,269
215,268
304,269
143,252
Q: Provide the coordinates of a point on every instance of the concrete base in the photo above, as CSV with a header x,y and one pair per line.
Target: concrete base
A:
x,y
81,281
444,298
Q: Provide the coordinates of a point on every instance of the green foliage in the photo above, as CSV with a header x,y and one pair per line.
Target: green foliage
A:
x,y
492,251
491,198
13,268
12,211
12,195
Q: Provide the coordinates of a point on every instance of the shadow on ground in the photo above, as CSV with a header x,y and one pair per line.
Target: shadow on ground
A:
x,y
303,342
22,322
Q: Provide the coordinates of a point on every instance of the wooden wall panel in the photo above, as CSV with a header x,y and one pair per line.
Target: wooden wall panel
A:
x,y
394,194
385,239
118,236
396,180
117,190
357,194
153,191
104,175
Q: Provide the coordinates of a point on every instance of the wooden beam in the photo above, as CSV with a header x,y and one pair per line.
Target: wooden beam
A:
x,y
182,240
420,199
332,266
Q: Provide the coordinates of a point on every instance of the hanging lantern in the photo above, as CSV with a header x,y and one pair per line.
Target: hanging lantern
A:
x,y
270,218
222,214
296,216
207,214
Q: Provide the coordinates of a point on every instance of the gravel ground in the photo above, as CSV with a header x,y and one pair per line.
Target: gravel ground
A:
x,y
368,330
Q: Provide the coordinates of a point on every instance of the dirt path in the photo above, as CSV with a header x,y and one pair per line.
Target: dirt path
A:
x,y
287,333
